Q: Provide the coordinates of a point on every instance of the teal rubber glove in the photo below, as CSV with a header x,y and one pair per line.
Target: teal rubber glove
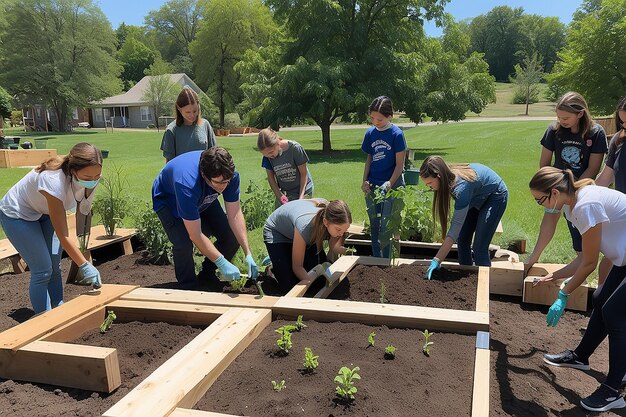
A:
x,y
229,271
434,264
88,275
266,261
253,270
556,311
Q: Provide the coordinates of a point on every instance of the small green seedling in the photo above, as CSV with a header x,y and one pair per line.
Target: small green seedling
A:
x,y
278,386
383,291
239,284
370,339
350,250
284,343
427,344
345,382
390,352
299,323
108,321
310,360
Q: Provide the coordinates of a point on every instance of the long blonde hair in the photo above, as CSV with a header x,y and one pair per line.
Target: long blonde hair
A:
x,y
335,212
267,138
551,178
435,167
573,102
81,155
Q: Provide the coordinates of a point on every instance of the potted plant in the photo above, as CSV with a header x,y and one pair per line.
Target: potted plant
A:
x,y
105,153
112,203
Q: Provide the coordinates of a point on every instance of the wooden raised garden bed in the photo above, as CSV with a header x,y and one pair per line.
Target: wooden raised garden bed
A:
x,y
13,158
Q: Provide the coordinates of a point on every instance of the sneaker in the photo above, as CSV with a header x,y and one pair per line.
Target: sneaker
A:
x,y
566,359
603,399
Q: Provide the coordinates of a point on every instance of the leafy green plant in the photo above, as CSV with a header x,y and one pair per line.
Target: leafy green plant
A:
x,y
112,202
370,339
239,284
310,360
284,342
350,250
426,346
278,386
390,352
257,206
299,323
108,321
345,382
158,248
383,291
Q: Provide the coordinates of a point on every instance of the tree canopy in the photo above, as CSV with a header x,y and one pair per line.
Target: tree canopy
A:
x,y
594,59
58,52
365,48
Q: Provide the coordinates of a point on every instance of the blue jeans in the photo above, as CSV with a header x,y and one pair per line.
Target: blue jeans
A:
x,y
481,224
214,223
379,216
38,245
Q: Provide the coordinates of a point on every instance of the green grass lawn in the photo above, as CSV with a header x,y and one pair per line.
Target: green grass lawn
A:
x,y
503,106
510,148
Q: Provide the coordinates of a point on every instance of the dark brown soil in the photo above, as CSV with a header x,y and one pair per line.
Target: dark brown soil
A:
x,y
399,387
521,384
406,284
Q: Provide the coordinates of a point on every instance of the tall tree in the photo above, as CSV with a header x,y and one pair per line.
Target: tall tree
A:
x,y
527,77
175,24
365,48
136,58
545,37
499,36
162,91
229,28
5,106
59,52
595,57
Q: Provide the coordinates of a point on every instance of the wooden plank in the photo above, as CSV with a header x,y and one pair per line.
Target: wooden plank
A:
x,y
98,238
185,412
356,229
480,393
13,158
506,255
154,311
299,289
200,298
482,290
546,292
186,376
341,268
43,324
6,249
506,278
86,367
392,315
77,327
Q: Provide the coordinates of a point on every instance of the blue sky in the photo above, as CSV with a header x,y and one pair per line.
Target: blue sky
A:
x,y
132,12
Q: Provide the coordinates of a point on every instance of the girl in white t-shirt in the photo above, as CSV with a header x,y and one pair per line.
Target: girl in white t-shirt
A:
x,y
32,214
599,213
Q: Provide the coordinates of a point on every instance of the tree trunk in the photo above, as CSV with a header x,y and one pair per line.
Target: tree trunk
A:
x,y
220,92
527,99
326,145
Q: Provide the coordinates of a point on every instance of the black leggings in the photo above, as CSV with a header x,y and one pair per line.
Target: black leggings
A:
x,y
608,318
280,254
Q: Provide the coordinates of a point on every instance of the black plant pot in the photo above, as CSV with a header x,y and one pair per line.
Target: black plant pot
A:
x,y
27,145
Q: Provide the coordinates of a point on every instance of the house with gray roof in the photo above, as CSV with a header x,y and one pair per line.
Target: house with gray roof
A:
x,y
130,109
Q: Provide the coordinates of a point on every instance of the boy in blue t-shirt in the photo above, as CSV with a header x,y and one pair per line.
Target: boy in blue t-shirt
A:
x,y
184,196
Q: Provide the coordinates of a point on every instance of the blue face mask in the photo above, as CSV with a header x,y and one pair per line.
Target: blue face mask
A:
x,y
552,210
87,184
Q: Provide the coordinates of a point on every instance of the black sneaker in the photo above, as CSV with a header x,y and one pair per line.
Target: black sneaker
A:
x,y
566,359
603,399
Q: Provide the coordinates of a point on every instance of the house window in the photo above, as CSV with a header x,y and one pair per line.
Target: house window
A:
x,y
75,114
146,115
98,113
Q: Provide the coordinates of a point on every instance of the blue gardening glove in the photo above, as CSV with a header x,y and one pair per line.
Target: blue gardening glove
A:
x,y
88,275
556,311
229,271
253,270
434,264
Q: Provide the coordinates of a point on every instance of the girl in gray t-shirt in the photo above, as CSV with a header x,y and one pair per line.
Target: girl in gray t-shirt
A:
x,y
294,235
285,162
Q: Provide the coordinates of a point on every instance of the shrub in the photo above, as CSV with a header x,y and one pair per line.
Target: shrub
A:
x,y
519,95
151,233
151,126
232,120
257,207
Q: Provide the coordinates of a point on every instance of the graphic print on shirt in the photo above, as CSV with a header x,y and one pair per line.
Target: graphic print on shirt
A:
x,y
207,201
286,172
380,146
572,156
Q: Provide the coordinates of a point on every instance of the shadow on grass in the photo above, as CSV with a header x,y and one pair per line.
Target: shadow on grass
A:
x,y
357,155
